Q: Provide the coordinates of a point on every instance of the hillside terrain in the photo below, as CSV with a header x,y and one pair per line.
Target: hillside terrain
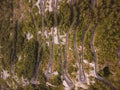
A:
x,y
59,45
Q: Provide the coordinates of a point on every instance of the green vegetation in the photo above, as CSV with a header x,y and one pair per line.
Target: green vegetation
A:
x,y
14,43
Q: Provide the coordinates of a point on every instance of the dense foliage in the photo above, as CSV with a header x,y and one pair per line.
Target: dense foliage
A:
x,y
14,43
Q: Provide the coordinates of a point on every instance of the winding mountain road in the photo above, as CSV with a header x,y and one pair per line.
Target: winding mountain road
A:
x,y
40,51
16,27
65,76
82,77
58,34
50,64
96,59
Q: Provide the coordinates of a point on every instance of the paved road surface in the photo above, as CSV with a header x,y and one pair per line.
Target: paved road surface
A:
x,y
95,60
40,51
50,64
65,76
